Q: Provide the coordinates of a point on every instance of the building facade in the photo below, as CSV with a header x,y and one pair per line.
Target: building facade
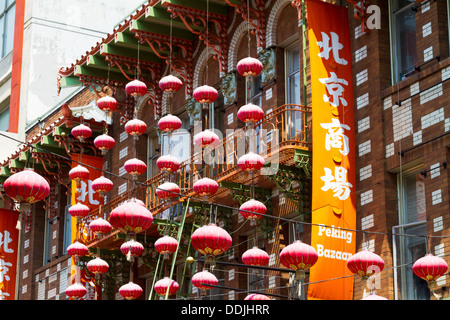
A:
x,y
400,64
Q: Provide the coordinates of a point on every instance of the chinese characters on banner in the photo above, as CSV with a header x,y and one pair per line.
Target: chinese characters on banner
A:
x,y
9,238
333,195
86,195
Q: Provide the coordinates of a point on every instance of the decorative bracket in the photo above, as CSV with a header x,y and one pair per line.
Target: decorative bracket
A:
x,y
197,22
160,46
256,18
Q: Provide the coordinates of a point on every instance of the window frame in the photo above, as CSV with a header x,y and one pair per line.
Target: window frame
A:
x,y
3,13
395,73
402,276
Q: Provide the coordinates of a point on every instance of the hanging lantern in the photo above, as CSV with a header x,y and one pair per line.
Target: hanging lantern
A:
x,y
82,132
249,67
169,123
257,296
102,185
98,266
135,167
168,163
104,143
250,113
168,190
132,248
135,127
211,241
251,162
206,138
205,94
79,210
136,88
165,284
140,202
100,226
298,256
131,217
170,83
166,245
253,209
107,104
373,296
76,291
206,187
130,291
255,257
25,188
204,280
365,264
79,173
430,268
77,249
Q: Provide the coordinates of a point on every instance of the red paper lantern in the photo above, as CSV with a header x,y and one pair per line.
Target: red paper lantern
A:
x,y
79,210
170,83
430,268
107,103
168,163
257,296
25,188
98,266
206,138
82,132
298,256
102,185
79,173
250,113
204,280
132,248
76,291
169,123
165,284
365,264
251,162
211,241
249,67
104,143
136,88
205,94
255,257
206,187
135,167
131,217
253,209
135,127
130,291
168,190
77,249
100,226
166,245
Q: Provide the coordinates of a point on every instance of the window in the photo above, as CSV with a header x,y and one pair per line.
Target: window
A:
x,y
407,249
7,19
292,58
403,28
4,119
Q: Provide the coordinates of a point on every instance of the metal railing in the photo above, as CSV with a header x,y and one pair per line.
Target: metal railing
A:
x,y
288,126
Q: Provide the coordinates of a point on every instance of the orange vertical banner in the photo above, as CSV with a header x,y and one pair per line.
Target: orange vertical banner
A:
x,y
333,195
9,244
